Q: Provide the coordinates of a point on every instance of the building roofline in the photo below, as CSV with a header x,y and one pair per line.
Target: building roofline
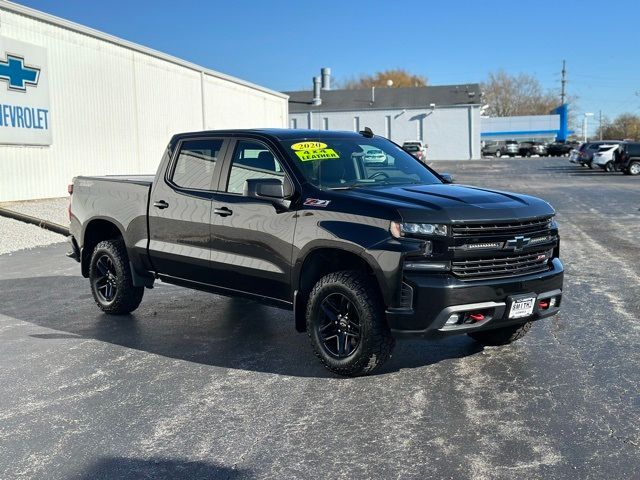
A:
x,y
69,25
380,109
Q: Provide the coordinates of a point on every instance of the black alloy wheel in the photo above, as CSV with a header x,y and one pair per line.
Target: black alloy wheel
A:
x,y
111,278
346,323
339,326
106,282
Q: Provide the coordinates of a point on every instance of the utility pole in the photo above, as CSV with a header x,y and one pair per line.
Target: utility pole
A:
x,y
600,124
563,82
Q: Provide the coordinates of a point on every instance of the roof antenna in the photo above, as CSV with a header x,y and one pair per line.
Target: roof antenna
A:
x,y
367,132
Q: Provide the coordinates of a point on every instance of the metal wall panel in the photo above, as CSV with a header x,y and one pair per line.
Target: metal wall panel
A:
x,y
452,133
114,108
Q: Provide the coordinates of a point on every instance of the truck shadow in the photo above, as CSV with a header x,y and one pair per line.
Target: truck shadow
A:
x,y
195,327
159,469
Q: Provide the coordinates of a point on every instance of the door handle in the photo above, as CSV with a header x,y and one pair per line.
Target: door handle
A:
x,y
223,212
160,204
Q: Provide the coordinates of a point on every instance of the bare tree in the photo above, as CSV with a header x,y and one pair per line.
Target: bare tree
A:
x,y
399,77
508,95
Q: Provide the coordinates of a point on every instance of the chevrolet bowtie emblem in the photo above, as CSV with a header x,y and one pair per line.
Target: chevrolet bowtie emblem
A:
x,y
518,243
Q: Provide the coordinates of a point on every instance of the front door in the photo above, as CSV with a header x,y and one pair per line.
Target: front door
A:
x,y
180,210
251,239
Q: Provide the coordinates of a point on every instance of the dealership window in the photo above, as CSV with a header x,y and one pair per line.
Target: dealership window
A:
x,y
294,123
356,124
387,126
252,160
195,163
325,123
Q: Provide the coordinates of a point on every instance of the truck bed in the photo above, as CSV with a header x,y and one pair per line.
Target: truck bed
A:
x,y
146,180
123,200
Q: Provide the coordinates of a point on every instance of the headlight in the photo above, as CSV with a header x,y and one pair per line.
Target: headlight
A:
x,y
399,230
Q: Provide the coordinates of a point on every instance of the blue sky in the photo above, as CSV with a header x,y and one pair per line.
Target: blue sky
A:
x,y
282,44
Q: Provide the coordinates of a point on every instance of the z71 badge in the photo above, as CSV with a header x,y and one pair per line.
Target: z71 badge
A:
x,y
315,202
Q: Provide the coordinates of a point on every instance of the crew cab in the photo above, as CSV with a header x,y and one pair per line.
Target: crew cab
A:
x,y
361,252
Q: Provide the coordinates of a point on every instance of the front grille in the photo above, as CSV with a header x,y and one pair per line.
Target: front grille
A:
x,y
493,229
502,267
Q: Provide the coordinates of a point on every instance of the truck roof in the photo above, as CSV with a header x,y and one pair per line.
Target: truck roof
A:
x,y
277,133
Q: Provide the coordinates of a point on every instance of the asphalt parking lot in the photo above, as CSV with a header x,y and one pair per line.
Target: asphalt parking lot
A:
x,y
199,386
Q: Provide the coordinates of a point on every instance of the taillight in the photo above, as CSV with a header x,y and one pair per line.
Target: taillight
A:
x,y
70,188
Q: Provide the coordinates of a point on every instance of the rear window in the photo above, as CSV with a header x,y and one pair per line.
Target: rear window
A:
x,y
195,163
605,148
411,148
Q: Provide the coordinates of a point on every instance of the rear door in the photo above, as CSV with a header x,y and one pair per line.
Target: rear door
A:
x,y
251,239
180,209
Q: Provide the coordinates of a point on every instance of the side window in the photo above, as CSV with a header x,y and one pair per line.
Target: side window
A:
x,y
195,164
252,160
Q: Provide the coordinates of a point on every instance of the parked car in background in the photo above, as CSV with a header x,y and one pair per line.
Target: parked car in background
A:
x,y
375,156
527,149
492,149
629,158
603,158
561,149
584,153
417,149
511,148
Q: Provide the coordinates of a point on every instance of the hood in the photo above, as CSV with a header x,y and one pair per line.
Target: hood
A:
x,y
448,203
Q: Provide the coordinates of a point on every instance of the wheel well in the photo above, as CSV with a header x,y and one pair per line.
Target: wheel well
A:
x,y
96,232
316,265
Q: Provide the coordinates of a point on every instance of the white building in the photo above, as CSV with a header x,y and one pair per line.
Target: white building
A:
x,y
446,117
75,101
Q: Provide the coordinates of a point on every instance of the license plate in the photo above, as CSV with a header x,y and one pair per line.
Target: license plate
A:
x,y
522,308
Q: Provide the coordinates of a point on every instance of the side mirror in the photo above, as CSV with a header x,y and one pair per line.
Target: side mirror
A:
x,y
275,189
447,177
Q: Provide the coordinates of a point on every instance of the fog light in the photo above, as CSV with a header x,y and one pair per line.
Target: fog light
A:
x,y
453,319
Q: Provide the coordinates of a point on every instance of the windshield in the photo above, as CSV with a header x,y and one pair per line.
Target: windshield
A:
x,y
346,162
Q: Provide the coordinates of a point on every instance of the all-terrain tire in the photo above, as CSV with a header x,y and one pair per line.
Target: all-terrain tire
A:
x,y
124,297
501,336
375,342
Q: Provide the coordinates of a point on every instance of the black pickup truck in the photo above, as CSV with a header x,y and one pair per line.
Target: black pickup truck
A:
x,y
362,252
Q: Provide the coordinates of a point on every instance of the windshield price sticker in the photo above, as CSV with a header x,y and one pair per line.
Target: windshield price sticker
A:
x,y
309,151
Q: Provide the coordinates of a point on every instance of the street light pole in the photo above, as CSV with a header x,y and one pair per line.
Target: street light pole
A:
x,y
584,124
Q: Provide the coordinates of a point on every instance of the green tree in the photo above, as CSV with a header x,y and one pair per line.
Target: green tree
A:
x,y
399,77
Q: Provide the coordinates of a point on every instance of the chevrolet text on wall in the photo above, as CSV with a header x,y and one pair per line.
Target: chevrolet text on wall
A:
x,y
25,117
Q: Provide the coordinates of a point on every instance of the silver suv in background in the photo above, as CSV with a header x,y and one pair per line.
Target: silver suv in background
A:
x,y
511,148
498,149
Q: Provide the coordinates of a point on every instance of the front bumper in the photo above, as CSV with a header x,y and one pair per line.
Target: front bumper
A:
x,y
436,297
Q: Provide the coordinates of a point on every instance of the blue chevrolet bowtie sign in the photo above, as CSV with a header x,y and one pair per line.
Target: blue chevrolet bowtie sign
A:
x,y
17,74
25,116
